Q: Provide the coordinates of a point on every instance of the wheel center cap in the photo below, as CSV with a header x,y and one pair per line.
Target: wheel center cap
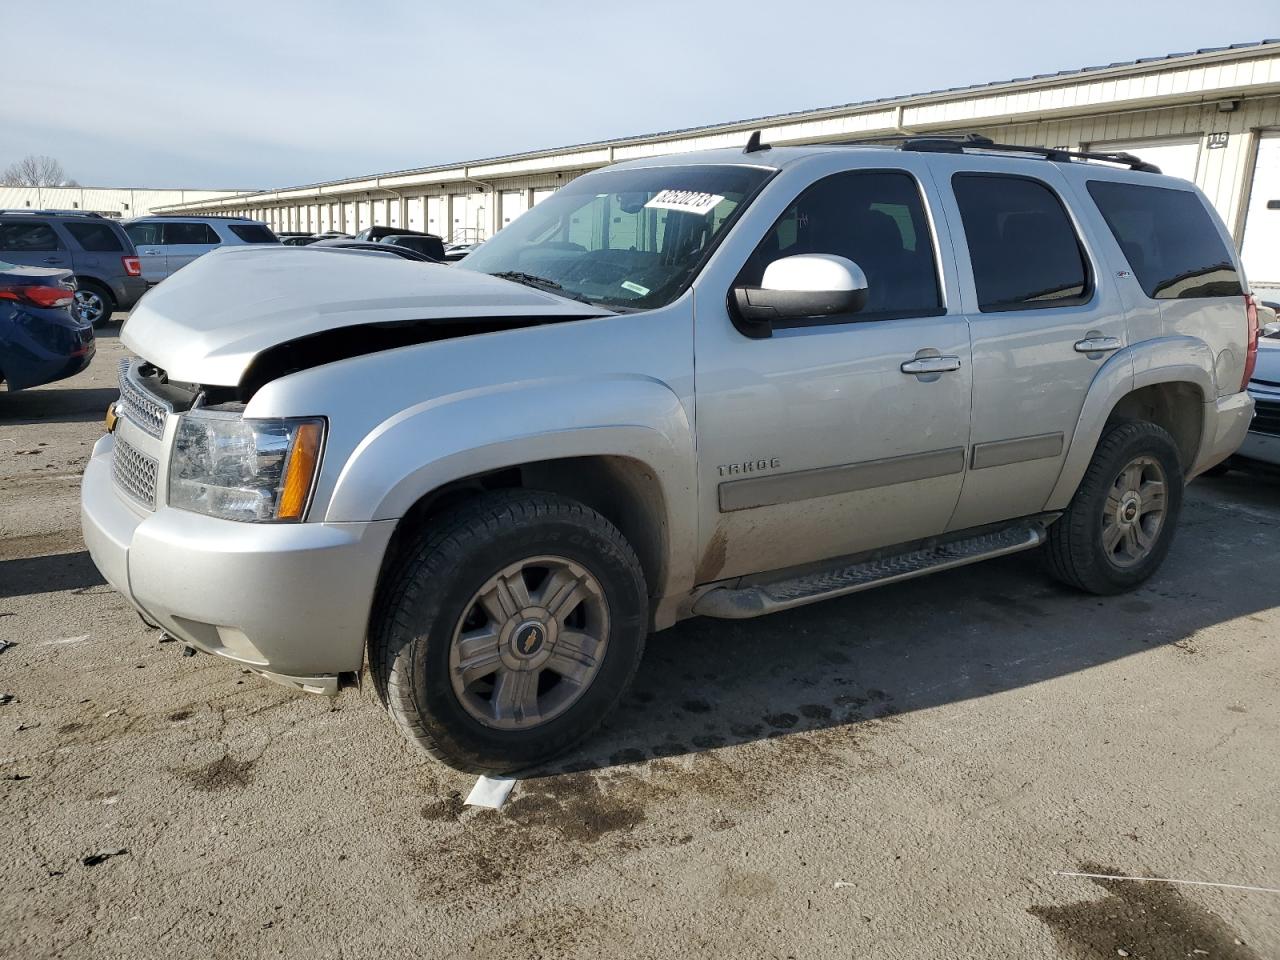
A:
x,y
1129,508
528,639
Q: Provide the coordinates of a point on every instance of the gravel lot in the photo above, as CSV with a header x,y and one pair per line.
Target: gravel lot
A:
x,y
895,774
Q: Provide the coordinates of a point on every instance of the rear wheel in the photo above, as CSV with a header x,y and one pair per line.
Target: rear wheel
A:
x,y
1120,524
509,630
94,303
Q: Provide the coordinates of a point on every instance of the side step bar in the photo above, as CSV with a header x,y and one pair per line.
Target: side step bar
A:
x,y
754,600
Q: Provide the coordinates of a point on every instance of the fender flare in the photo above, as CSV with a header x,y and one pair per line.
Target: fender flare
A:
x,y
451,437
1174,359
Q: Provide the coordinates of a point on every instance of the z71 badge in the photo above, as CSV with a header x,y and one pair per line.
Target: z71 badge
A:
x,y
748,466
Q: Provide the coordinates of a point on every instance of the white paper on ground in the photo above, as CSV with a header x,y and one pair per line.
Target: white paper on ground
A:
x,y
65,640
490,792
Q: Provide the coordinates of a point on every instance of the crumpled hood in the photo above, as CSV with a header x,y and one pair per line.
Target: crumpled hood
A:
x,y
207,322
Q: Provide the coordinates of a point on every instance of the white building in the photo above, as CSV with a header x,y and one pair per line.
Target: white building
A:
x,y
1212,116
120,202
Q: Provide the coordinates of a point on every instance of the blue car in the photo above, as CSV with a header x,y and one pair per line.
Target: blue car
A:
x,y
40,339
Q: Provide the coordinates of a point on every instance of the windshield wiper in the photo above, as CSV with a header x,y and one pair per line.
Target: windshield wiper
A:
x,y
542,283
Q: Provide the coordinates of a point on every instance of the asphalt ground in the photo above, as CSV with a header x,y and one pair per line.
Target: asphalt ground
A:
x,y
901,773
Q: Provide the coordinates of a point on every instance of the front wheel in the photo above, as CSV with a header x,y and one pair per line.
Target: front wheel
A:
x,y
509,630
1120,524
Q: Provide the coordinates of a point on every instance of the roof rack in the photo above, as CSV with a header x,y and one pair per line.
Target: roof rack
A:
x,y
973,141
194,216
53,213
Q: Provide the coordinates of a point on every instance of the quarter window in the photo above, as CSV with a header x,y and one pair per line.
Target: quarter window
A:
x,y
200,233
1172,244
253,233
23,237
143,234
874,218
95,237
1022,246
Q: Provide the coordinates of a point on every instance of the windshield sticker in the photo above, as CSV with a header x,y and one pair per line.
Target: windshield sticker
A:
x,y
686,201
634,287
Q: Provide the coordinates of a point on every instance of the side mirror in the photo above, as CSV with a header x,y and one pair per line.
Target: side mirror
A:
x,y
806,285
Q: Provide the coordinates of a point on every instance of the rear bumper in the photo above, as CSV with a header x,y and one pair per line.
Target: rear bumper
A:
x,y
1226,422
290,601
128,291
43,346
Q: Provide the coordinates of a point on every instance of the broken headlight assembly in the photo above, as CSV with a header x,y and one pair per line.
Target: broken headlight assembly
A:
x,y
260,471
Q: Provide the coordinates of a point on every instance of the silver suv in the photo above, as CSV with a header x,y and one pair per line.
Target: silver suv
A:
x,y
720,384
166,244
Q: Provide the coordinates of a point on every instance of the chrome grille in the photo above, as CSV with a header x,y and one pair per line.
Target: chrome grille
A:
x,y
135,473
146,411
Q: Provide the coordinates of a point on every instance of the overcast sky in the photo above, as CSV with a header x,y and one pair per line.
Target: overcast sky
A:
x,y
268,93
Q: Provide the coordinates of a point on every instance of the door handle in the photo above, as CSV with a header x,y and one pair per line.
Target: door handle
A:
x,y
1097,345
52,259
931,365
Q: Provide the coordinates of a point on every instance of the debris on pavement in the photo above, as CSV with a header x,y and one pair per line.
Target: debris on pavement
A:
x,y
93,859
6,644
26,726
491,792
6,698
65,641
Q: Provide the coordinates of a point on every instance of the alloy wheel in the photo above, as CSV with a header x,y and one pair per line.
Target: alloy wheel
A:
x,y
1134,513
529,643
89,306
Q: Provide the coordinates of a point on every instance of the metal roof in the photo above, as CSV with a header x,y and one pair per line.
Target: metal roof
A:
x,y
731,125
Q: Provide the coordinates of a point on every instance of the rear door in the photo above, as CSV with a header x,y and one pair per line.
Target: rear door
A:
x,y
185,241
32,243
101,248
151,254
1044,315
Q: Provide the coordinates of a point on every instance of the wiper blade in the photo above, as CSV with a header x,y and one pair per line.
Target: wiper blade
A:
x,y
543,283
528,279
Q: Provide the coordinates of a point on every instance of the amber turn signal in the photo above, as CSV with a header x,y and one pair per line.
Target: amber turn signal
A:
x,y
300,472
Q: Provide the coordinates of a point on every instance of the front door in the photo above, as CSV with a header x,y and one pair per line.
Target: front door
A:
x,y
184,242
1044,314
820,441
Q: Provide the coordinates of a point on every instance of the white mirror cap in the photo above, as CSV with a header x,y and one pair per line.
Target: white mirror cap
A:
x,y
814,272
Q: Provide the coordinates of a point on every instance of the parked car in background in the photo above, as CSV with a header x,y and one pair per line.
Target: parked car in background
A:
x,y
457,251
487,481
304,240
282,234
391,249
423,243
41,338
97,251
167,244
378,233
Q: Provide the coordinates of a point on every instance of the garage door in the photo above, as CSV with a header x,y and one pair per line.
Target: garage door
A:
x,y
514,203
541,194
1176,158
415,207
436,216
1261,253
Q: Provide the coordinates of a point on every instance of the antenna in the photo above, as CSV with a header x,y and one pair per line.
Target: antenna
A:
x,y
753,143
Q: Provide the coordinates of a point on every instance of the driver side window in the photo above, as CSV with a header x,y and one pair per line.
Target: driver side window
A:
x,y
874,218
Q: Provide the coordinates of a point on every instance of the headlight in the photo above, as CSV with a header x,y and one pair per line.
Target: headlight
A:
x,y
224,465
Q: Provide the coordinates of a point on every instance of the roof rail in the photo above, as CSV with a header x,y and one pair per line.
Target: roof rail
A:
x,y
973,141
194,216
53,213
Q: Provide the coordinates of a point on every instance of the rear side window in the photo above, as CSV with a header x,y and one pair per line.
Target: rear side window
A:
x,y
95,237
874,218
1023,247
1172,244
253,233
28,237
201,233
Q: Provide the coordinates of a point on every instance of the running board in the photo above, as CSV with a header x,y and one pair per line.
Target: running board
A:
x,y
741,603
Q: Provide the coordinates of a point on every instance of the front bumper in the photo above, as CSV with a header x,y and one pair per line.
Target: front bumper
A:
x,y
1226,421
290,601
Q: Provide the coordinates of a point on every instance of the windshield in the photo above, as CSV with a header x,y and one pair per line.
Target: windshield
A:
x,y
622,238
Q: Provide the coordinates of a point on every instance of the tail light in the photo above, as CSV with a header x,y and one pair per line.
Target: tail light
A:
x,y
1251,352
132,266
39,296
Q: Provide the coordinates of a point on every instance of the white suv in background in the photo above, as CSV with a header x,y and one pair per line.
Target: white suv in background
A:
x,y
165,244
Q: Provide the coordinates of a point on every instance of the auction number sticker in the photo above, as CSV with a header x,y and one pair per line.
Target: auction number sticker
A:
x,y
686,201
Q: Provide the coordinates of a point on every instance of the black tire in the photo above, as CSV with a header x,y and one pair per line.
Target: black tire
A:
x,y
1074,553
426,595
94,303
